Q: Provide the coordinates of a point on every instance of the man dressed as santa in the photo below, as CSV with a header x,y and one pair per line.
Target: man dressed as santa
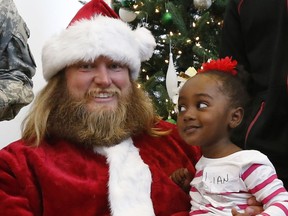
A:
x,y
92,143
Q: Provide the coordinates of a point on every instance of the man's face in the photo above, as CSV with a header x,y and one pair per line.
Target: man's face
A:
x,y
96,107
100,83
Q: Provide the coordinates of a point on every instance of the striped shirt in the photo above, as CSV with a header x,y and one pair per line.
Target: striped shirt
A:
x,y
223,183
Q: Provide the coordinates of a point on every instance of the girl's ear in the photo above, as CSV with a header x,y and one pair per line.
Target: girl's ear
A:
x,y
237,115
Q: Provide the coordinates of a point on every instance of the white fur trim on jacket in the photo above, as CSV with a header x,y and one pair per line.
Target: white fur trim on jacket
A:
x,y
129,180
87,39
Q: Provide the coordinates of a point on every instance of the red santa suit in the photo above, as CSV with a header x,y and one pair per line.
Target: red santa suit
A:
x,y
60,178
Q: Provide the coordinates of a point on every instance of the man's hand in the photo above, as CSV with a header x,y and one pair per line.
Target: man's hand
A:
x,y
254,208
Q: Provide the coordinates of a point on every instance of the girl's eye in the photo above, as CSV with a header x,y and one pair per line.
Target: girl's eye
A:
x,y
202,105
181,108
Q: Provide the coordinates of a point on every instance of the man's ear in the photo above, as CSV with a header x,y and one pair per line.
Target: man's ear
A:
x,y
236,118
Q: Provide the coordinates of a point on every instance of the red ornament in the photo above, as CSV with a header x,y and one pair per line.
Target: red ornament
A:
x,y
225,65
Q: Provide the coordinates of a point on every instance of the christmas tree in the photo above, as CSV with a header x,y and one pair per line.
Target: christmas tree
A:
x,y
189,30
187,34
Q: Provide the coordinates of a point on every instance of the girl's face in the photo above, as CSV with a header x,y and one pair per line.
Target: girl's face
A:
x,y
204,114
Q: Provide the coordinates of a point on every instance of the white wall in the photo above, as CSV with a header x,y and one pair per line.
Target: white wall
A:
x,y
44,18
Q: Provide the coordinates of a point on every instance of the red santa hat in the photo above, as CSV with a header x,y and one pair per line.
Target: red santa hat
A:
x,y
96,30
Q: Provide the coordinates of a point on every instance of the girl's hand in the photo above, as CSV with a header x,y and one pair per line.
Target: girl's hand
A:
x,y
254,208
235,213
182,177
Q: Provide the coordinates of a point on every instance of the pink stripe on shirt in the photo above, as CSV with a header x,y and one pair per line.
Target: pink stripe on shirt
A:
x,y
198,174
197,212
272,195
249,171
282,207
263,184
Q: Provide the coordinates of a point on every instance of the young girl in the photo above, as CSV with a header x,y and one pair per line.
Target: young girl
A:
x,y
211,104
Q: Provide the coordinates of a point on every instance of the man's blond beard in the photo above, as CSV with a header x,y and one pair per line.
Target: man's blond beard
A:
x,y
72,121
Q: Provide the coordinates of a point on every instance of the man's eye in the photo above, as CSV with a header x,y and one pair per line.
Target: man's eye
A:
x,y
115,66
86,66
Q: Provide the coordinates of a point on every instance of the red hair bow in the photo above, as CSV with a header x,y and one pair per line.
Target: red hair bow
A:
x,y
226,65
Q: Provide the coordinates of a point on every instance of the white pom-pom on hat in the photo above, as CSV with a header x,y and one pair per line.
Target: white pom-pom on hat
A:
x,y
146,43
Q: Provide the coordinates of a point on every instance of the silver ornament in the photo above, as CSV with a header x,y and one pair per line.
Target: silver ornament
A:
x,y
127,15
202,4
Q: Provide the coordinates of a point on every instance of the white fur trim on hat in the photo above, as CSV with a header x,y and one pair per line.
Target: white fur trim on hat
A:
x,y
87,39
129,180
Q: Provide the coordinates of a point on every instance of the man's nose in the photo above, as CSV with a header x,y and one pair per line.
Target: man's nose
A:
x,y
102,76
